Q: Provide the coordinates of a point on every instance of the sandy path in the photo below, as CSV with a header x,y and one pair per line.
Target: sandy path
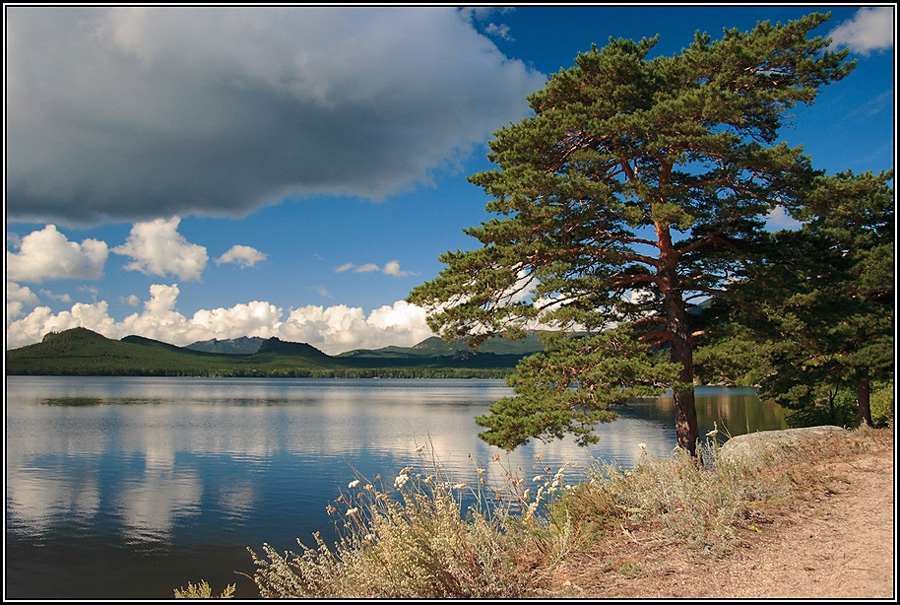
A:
x,y
838,544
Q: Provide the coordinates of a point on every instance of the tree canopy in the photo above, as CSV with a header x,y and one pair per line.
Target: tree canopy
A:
x,y
638,186
818,314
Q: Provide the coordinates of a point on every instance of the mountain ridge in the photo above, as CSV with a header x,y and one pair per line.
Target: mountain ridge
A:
x,y
80,351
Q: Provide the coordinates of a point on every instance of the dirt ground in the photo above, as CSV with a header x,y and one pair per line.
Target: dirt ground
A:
x,y
838,544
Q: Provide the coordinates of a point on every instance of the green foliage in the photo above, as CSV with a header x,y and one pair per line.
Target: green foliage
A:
x,y
883,404
824,406
817,313
637,185
570,387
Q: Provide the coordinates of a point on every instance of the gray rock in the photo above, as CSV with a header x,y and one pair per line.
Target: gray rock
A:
x,y
738,448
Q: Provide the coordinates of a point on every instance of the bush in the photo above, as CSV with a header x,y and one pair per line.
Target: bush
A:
x,y
882,404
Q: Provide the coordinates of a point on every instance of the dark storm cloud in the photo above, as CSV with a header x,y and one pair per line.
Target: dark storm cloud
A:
x,y
136,113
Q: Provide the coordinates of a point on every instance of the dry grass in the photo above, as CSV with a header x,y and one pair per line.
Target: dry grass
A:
x,y
414,540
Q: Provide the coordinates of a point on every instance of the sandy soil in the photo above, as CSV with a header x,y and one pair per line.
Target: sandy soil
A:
x,y
838,543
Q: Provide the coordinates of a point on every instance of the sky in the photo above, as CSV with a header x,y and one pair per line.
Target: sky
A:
x,y
188,173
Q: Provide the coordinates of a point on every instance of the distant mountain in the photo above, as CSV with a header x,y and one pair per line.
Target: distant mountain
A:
x,y
281,347
82,352
438,347
229,346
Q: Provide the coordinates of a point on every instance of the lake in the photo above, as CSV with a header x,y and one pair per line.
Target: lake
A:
x,y
132,487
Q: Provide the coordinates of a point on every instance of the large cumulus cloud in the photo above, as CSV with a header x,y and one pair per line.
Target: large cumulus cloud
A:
x,y
136,113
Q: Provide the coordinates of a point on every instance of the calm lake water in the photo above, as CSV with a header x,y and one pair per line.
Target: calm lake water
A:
x,y
131,487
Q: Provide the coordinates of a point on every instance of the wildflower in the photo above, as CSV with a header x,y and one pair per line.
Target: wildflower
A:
x,y
538,456
495,457
419,449
351,512
459,486
538,478
369,487
353,484
400,481
713,432
480,471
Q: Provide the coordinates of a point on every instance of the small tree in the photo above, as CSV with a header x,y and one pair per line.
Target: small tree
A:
x,y
637,185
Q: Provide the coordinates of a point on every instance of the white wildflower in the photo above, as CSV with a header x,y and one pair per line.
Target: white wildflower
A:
x,y
353,484
352,512
459,486
400,481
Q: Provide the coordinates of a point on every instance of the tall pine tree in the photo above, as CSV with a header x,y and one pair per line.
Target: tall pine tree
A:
x,y
632,189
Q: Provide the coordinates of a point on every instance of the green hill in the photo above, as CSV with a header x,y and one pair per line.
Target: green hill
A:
x,y
82,352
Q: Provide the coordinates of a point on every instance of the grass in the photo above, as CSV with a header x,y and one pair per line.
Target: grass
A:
x,y
413,538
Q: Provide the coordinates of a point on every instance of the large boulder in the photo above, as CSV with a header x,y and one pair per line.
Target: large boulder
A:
x,y
754,444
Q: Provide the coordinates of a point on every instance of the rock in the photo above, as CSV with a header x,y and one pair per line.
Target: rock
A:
x,y
741,446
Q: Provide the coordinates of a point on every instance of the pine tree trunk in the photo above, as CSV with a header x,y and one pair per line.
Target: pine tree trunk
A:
x,y
863,411
686,428
682,349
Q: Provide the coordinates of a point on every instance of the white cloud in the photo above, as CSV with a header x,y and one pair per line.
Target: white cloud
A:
x,y
131,300
23,294
390,268
870,29
341,328
134,113
65,298
498,31
393,268
157,248
367,268
244,256
779,218
332,329
321,291
17,298
48,254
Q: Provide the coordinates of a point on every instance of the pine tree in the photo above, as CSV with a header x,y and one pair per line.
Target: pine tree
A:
x,y
635,187
821,308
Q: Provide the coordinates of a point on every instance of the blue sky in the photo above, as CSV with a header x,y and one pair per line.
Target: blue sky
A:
x,y
187,173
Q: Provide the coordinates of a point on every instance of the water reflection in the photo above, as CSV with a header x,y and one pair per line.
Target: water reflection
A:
x,y
167,481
